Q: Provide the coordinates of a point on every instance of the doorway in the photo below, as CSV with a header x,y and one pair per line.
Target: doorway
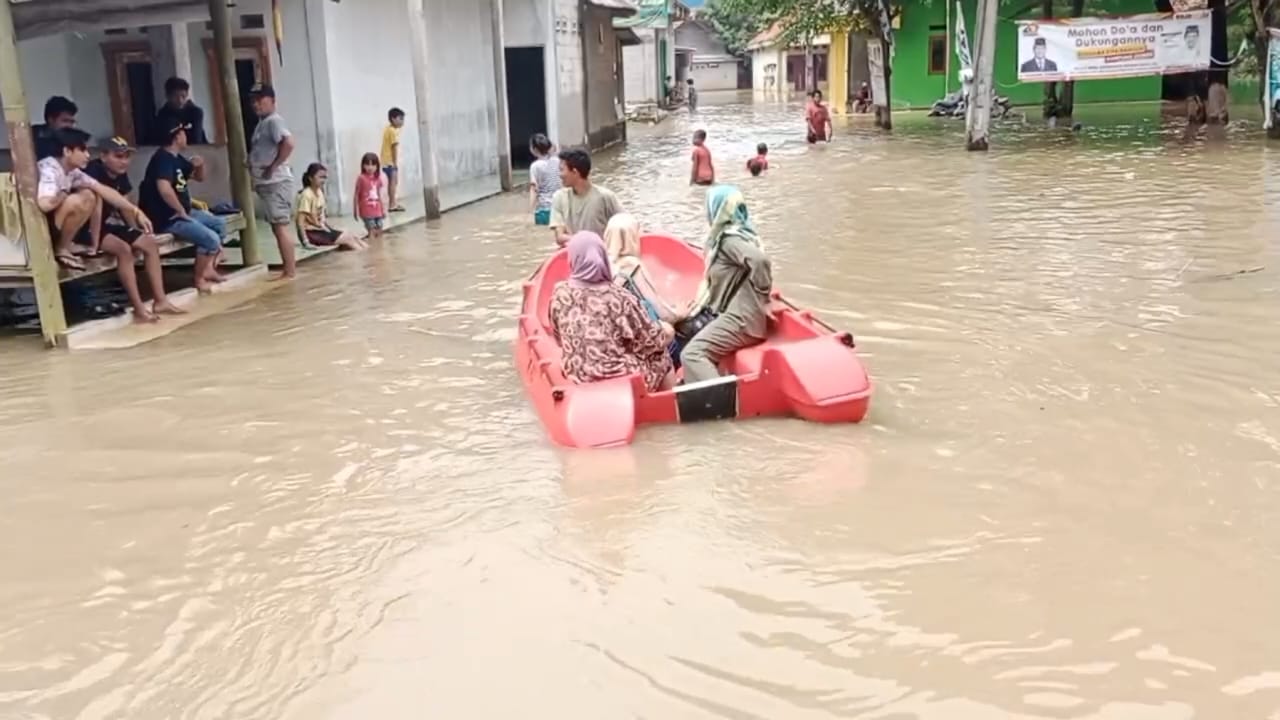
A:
x,y
131,90
526,101
253,67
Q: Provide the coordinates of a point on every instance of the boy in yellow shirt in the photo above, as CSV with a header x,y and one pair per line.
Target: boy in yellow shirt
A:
x,y
390,156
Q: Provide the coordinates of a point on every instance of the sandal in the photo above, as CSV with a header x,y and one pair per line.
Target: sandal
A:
x,y
68,261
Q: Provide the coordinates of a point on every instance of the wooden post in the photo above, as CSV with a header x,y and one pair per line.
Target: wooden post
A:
x,y
35,229
500,89
978,119
237,147
422,92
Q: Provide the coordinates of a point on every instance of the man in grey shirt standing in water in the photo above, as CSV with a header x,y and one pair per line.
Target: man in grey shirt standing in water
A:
x,y
580,204
269,152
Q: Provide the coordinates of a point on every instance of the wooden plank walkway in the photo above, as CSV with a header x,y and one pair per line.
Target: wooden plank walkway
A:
x,y
169,245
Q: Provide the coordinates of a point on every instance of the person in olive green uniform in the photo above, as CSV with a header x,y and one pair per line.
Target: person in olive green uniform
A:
x,y
739,279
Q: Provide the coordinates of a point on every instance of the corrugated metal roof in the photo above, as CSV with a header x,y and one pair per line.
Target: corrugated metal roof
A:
x,y
615,5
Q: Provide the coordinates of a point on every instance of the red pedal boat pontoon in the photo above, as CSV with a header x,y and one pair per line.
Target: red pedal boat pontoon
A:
x,y
805,368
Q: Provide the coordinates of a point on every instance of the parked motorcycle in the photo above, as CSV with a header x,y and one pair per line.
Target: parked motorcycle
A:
x,y
955,105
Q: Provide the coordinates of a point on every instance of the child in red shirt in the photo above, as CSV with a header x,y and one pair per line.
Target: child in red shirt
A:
x,y
702,172
760,162
818,119
369,208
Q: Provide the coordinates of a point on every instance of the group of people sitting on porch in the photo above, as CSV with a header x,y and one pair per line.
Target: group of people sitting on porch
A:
x,y
87,204
90,214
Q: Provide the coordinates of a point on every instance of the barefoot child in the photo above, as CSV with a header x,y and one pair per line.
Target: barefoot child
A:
x,y
702,171
311,213
544,178
369,209
121,239
391,157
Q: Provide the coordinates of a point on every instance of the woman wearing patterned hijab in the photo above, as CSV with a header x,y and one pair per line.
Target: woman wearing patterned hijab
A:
x,y
602,329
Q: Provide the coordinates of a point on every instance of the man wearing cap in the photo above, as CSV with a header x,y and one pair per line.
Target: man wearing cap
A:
x,y
269,152
166,198
120,239
1039,63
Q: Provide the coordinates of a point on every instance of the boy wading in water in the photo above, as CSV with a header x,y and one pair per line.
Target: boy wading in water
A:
x,y
818,119
702,171
544,178
390,156
580,205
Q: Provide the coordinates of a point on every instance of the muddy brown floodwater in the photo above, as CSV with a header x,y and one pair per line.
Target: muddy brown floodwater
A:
x,y
335,502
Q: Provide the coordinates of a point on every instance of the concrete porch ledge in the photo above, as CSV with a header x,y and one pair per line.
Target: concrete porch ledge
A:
x,y
121,331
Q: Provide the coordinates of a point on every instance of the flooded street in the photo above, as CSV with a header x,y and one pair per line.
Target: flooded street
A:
x,y
334,502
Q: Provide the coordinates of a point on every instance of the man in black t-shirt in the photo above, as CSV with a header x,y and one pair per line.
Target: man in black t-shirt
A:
x,y
122,240
166,198
179,109
59,114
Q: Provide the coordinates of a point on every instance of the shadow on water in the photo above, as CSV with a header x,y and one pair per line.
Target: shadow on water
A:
x,y
335,502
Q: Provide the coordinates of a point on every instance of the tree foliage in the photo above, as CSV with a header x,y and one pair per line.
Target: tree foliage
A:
x,y
802,19
734,27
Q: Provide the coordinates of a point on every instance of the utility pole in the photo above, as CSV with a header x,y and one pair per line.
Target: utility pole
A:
x,y
422,92
978,119
500,86
35,230
237,147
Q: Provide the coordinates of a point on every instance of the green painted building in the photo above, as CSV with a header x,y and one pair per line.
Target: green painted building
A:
x,y
925,66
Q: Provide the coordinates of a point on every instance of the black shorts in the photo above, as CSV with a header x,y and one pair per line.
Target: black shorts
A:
x,y
128,234
323,237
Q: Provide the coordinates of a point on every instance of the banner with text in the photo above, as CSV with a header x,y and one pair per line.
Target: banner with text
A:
x,y
1095,48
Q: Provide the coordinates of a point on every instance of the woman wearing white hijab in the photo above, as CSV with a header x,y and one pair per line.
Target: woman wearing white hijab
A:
x,y
622,241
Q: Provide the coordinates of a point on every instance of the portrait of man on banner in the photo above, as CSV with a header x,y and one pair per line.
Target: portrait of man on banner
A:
x,y
1039,63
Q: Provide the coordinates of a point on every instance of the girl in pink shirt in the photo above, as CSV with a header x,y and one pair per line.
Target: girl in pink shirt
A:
x,y
369,208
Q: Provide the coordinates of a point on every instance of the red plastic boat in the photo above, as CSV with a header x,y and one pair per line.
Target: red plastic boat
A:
x,y
805,368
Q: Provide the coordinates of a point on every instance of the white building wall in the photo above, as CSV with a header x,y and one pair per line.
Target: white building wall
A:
x,y
45,72
292,79
526,23
531,23
364,81
640,68
761,80
464,101
715,76
570,75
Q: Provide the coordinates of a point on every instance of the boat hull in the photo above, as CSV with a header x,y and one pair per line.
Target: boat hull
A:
x,y
804,369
